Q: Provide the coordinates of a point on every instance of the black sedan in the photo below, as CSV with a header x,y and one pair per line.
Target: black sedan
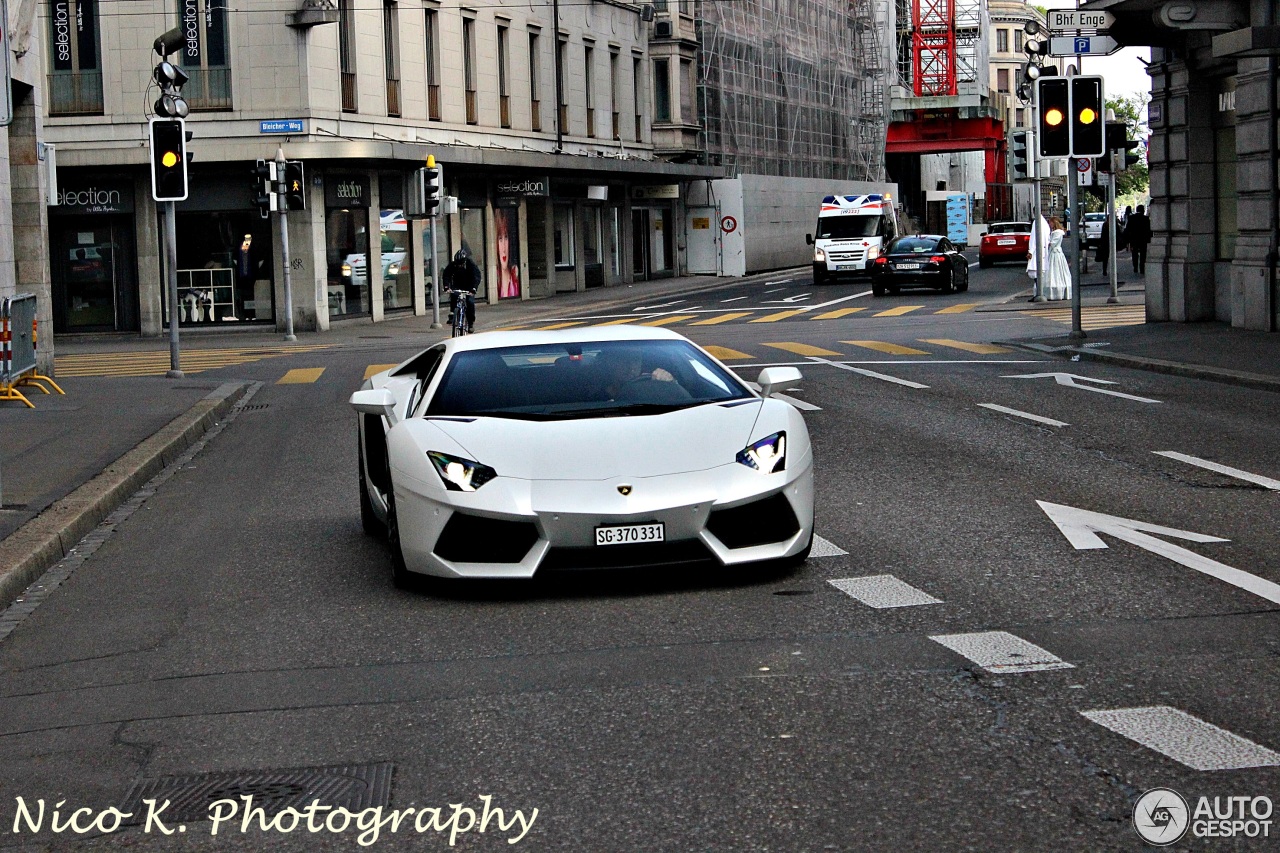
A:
x,y
921,260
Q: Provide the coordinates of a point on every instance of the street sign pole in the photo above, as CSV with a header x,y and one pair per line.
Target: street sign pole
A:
x,y
435,274
171,274
1111,238
1037,231
1073,204
279,189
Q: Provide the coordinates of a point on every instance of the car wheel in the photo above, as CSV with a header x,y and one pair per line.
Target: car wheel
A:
x,y
373,526
400,574
877,290
964,284
820,279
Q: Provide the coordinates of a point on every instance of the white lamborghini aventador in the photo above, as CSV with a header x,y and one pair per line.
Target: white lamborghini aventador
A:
x,y
503,454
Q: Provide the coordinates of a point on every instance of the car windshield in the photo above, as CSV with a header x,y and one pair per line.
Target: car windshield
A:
x,y
848,227
913,245
1094,217
1010,228
582,380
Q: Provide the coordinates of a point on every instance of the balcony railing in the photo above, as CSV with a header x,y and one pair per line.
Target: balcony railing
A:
x,y
393,97
504,110
472,116
535,115
208,89
348,91
75,93
433,101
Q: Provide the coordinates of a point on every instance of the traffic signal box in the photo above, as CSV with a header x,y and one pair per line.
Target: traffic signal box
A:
x,y
1087,109
1120,146
295,187
1023,142
264,191
1070,111
168,159
1053,106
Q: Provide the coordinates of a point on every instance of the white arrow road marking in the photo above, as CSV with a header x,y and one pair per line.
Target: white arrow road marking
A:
x,y
1037,418
1000,651
895,380
798,403
1070,380
825,548
1081,527
663,305
780,281
1265,482
790,299
837,301
883,592
1186,739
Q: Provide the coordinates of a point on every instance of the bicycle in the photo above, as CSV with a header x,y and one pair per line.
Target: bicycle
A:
x,y
458,309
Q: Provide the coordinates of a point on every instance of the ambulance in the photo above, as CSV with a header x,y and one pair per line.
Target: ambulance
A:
x,y
852,231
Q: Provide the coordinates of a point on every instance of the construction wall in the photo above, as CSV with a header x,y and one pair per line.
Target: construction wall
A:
x,y
772,215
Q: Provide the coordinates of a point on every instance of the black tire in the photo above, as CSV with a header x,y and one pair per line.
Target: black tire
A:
x,y
820,279
950,286
400,574
373,526
964,285
877,290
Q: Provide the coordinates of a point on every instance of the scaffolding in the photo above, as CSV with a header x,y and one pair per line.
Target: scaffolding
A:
x,y
942,46
794,88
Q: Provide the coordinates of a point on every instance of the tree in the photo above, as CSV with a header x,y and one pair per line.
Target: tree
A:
x,y
1132,110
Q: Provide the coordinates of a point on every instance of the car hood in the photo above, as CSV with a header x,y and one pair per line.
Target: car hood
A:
x,y
693,439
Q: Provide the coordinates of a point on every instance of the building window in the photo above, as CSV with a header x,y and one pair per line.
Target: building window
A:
x,y
637,95
1002,40
1002,80
469,68
563,113
432,29
661,90
535,104
347,54
1020,117
391,50
1017,41
687,88
562,237
504,95
588,81
613,95
204,54
75,79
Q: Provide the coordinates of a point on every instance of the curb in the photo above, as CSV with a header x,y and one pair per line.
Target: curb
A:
x,y
50,536
1239,378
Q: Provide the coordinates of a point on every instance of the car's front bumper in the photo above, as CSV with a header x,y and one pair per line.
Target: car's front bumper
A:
x,y
557,521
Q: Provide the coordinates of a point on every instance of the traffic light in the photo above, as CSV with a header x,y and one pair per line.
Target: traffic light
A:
x,y
1119,145
1023,145
170,78
264,190
433,178
295,188
1053,107
168,159
1087,108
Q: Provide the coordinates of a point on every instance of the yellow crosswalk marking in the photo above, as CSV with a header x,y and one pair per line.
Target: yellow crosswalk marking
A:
x,y
723,318
376,368
959,309
1095,317
891,349
981,349
899,311
621,322
300,376
781,315
803,349
667,321
725,354
835,315
561,325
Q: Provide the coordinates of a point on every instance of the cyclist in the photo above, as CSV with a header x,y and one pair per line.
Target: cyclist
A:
x,y
463,276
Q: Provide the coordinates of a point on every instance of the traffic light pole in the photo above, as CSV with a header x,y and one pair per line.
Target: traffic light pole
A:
x,y
435,275
1073,204
280,189
171,274
1037,231
1111,237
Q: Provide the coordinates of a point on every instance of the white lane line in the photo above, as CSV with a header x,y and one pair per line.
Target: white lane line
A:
x,y
825,548
883,592
972,265
1184,738
798,403
1037,418
734,299
838,301
1265,482
663,305
870,373
780,281
1000,651
775,290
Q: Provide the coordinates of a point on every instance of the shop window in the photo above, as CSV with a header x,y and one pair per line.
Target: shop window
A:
x,y
205,54
225,268
562,236
347,255
397,260
592,261
75,78
473,241
615,242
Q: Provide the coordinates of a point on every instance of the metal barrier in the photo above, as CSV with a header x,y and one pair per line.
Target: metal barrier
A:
x,y
18,328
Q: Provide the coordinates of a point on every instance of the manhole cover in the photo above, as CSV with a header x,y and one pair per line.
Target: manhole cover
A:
x,y
354,787
794,592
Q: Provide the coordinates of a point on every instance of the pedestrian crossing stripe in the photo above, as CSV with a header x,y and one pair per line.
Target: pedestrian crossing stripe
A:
x,y
157,362
300,376
958,309
804,349
723,318
781,315
981,349
561,325
667,321
376,368
899,311
1097,316
882,346
726,354
621,322
835,315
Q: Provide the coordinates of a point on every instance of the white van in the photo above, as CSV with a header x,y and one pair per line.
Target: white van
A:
x,y
852,231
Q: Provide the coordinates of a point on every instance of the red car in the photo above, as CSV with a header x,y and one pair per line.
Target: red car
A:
x,y
1005,241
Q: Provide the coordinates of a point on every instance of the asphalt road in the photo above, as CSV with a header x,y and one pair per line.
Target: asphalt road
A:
x,y
240,621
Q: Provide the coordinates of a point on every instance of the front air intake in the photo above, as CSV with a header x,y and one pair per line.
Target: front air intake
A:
x,y
760,522
473,539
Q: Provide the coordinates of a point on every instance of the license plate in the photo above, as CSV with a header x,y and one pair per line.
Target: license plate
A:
x,y
843,267
906,266
1006,242
630,534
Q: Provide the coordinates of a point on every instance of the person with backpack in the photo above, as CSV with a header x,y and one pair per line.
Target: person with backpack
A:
x,y
463,276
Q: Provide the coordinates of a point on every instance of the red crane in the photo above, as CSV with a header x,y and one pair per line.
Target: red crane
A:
x,y
933,47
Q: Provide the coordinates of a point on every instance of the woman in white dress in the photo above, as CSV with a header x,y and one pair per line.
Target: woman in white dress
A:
x,y
1057,272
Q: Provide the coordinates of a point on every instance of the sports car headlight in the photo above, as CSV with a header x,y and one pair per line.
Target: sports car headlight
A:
x,y
767,455
460,475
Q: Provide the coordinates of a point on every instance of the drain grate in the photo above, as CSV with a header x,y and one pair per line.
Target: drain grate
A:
x,y
353,786
256,408
794,592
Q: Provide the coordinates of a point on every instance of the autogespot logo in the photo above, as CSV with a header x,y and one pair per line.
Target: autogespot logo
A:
x,y
1161,816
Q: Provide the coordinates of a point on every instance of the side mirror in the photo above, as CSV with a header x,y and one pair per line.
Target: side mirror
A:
x,y
378,401
808,239
778,379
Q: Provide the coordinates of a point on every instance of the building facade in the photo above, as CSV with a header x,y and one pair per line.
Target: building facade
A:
x,y
541,117
1213,157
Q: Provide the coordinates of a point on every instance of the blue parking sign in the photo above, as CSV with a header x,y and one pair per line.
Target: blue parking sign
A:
x,y
1082,45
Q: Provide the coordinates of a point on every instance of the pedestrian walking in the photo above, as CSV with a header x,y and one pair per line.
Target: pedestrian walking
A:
x,y
1138,234
1122,242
